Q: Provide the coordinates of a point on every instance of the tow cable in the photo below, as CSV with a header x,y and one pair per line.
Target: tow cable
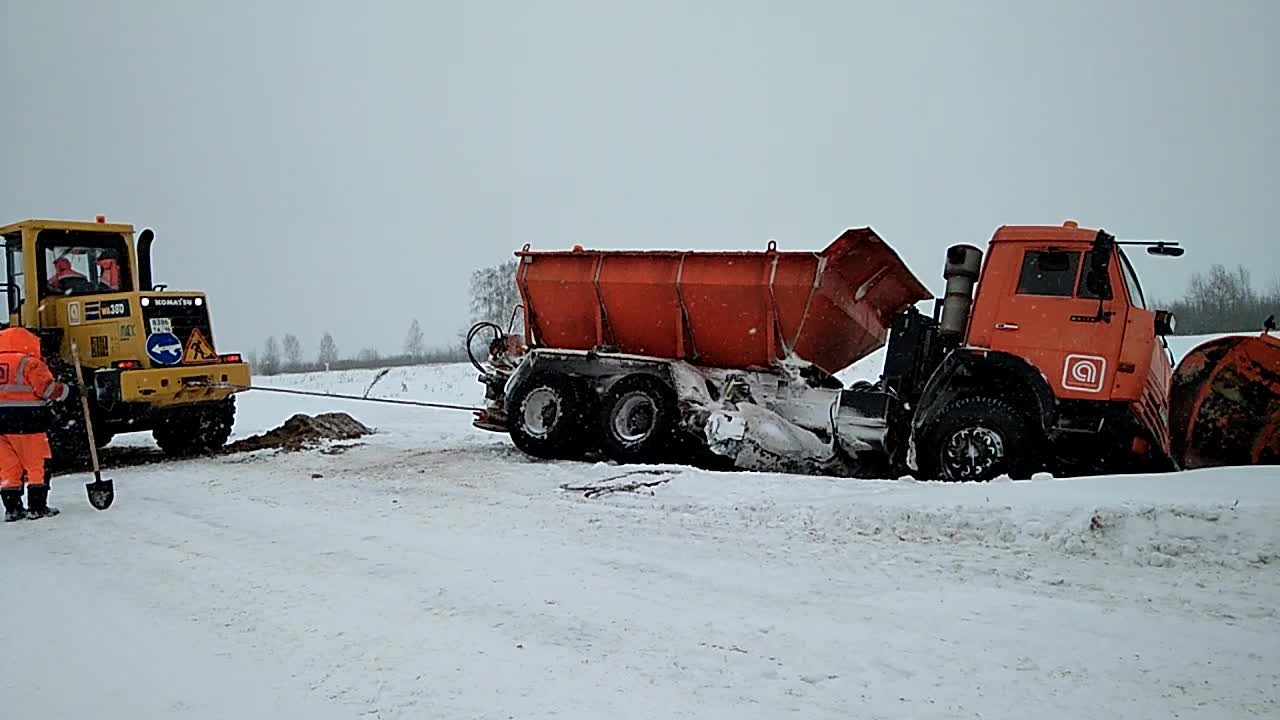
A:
x,y
337,396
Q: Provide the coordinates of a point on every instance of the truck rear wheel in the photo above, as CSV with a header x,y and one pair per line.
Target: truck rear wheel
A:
x,y
196,430
638,417
547,416
977,439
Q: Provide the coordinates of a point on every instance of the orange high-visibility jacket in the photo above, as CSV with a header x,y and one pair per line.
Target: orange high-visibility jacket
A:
x,y
27,387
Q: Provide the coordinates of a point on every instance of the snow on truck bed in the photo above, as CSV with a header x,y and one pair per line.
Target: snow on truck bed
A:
x,y
431,570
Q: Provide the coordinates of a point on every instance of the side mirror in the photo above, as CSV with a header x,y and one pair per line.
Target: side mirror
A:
x,y
1164,323
1165,250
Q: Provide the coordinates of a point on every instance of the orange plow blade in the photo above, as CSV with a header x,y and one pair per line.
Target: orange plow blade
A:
x,y
1224,403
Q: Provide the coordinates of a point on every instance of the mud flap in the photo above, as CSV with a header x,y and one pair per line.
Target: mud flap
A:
x,y
1224,403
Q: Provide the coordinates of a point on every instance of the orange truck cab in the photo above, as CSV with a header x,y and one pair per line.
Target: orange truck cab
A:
x,y
1061,356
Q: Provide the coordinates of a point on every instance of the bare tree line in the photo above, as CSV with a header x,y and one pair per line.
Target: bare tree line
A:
x,y
1223,301
493,298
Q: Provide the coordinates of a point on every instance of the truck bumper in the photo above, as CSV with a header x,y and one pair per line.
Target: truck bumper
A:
x,y
166,387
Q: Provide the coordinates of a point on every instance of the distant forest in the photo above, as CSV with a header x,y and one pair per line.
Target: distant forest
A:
x,y
1215,301
1222,301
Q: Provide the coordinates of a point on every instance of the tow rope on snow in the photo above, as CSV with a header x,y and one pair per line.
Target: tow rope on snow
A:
x,y
339,396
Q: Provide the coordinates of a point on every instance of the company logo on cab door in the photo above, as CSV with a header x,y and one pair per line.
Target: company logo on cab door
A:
x,y
1084,373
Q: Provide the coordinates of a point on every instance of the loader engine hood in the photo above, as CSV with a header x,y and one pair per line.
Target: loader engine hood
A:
x,y
176,328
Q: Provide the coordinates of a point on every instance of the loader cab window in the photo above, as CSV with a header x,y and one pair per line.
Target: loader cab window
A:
x,y
13,275
82,263
1049,272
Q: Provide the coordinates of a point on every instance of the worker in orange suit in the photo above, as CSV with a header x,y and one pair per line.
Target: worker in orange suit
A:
x,y
27,388
62,271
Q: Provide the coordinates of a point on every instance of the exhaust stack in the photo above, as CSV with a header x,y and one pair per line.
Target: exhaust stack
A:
x,y
964,263
144,259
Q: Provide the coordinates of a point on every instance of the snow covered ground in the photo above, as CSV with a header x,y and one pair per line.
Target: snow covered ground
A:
x,y
433,571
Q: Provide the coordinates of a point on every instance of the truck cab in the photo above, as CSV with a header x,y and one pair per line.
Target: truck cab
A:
x,y
1061,356
147,353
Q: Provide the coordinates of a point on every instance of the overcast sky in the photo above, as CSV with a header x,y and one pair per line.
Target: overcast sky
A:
x,y
344,166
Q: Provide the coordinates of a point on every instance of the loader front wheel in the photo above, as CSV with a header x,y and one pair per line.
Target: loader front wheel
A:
x,y
977,439
547,416
196,430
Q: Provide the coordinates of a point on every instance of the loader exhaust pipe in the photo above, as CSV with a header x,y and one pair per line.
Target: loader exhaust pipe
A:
x,y
145,239
964,263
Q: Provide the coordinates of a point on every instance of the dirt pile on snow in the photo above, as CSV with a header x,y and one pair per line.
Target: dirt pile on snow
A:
x,y
304,431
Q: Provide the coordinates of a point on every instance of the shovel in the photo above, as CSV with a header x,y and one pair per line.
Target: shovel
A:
x,y
101,492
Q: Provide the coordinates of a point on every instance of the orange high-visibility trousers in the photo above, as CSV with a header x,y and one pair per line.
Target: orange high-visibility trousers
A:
x,y
23,452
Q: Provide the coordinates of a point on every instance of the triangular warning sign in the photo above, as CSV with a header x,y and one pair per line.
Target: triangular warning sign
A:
x,y
198,350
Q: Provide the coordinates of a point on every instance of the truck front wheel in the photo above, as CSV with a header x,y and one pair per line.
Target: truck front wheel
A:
x,y
195,430
977,439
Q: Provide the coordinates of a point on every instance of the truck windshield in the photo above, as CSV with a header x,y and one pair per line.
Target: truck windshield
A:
x,y
82,263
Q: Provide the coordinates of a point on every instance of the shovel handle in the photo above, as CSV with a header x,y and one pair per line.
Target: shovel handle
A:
x,y
84,406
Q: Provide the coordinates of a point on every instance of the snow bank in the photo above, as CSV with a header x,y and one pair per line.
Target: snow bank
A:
x,y
261,410
1225,517
457,383
450,382
434,571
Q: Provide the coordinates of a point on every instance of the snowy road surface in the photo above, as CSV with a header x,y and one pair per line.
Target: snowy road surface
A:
x,y
434,572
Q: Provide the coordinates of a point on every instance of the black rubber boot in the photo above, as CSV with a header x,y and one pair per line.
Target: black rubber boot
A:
x,y
13,509
38,502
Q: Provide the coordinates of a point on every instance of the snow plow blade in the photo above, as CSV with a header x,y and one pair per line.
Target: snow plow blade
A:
x,y
1224,403
737,309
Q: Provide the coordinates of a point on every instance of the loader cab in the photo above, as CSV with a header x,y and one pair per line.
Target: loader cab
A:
x,y
1068,301
49,265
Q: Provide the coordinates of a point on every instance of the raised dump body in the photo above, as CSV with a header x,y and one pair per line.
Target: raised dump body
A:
x,y
739,309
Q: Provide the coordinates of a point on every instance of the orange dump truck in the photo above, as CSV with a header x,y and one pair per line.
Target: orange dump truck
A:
x,y
1041,356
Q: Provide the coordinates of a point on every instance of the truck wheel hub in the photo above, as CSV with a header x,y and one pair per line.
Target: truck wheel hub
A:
x,y
541,411
972,452
633,417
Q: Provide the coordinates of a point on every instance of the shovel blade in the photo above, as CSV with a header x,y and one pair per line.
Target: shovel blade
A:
x,y
101,493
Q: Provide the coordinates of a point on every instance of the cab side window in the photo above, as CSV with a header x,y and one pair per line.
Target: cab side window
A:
x,y
1084,290
1131,283
1048,272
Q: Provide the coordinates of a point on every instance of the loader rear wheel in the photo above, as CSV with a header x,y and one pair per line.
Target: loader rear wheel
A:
x,y
977,439
196,430
638,417
548,416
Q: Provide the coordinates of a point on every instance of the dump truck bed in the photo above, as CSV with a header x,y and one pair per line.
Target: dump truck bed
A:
x,y
739,309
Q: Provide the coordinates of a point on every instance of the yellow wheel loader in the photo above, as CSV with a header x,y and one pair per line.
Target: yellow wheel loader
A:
x,y
148,353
